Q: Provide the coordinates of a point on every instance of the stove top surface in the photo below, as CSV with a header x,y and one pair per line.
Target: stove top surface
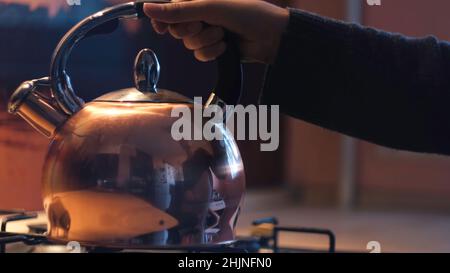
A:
x,y
25,232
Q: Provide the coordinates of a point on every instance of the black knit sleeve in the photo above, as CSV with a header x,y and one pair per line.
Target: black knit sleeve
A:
x,y
381,87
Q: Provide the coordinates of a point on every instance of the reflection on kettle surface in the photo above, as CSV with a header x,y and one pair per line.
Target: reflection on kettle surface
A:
x,y
115,176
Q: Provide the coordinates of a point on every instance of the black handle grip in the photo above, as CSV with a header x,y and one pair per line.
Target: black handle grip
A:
x,y
229,67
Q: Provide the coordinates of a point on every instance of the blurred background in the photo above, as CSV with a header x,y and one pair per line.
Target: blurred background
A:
x,y
319,178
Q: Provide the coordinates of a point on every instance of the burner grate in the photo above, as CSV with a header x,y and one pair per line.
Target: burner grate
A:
x,y
11,215
265,238
8,216
328,233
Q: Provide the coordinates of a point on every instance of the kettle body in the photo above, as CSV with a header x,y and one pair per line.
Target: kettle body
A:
x,y
114,175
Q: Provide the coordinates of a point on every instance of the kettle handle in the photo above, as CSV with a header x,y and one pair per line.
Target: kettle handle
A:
x,y
229,83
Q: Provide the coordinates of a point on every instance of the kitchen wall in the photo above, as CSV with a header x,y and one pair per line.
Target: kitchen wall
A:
x,y
390,178
312,154
383,178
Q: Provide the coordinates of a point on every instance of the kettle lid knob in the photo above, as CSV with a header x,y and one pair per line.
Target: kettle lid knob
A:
x,y
146,71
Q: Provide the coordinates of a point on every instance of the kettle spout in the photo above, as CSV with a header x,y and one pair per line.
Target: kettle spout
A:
x,y
38,110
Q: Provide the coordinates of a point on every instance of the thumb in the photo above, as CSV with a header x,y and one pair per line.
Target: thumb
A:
x,y
178,12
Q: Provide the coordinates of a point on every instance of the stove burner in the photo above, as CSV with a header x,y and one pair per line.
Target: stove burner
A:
x,y
264,238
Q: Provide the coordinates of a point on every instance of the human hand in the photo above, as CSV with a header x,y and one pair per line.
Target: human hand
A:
x,y
257,24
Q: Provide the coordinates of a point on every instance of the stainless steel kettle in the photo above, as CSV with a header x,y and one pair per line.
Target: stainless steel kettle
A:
x,y
113,175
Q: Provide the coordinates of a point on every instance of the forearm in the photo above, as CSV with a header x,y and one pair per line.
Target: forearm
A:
x,y
376,86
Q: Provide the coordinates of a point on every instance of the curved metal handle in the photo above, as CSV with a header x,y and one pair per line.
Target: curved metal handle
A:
x,y
228,87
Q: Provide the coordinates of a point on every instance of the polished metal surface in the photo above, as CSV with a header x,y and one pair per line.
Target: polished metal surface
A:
x,y
146,71
134,95
114,176
60,81
35,108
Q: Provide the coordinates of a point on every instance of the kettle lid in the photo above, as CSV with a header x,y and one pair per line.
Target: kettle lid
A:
x,y
134,95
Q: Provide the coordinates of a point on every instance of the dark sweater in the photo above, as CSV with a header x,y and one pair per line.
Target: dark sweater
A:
x,y
381,87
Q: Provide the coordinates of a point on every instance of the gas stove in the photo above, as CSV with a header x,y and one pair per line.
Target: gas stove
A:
x,y
24,232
